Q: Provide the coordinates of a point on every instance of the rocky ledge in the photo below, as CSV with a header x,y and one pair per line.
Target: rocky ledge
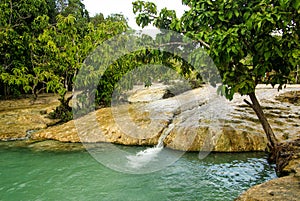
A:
x,y
283,188
287,162
200,120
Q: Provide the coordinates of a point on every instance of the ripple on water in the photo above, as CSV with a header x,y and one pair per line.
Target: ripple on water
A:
x,y
28,175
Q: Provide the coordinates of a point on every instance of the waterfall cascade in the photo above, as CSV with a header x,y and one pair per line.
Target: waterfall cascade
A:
x,y
144,157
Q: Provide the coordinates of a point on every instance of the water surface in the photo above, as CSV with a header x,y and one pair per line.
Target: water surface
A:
x,y
27,174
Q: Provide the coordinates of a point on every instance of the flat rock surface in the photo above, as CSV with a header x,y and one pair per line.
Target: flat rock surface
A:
x,y
20,116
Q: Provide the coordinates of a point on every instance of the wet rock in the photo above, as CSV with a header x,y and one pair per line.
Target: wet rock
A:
x,y
285,188
50,145
288,153
288,157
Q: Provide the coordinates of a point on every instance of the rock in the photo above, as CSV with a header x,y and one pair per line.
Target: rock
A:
x,y
21,115
287,155
50,145
284,188
292,97
101,126
148,94
202,121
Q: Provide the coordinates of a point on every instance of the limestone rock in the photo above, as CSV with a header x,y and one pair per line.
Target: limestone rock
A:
x,y
284,188
148,94
101,126
202,121
50,145
18,117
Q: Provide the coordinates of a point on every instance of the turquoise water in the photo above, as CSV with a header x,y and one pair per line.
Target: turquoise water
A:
x,y
27,174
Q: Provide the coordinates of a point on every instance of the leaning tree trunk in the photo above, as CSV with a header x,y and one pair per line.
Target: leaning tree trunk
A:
x,y
272,141
280,153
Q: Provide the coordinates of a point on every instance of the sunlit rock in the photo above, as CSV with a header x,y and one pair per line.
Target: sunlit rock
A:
x,y
277,189
202,122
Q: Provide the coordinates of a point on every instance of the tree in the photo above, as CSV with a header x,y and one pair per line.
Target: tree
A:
x,y
77,9
16,31
247,40
97,19
44,43
52,11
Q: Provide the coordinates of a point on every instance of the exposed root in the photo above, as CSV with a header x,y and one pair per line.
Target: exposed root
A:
x,y
283,153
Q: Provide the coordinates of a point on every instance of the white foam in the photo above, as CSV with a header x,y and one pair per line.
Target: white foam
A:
x,y
142,158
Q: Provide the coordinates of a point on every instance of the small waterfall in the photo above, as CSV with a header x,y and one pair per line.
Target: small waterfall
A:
x,y
164,135
142,158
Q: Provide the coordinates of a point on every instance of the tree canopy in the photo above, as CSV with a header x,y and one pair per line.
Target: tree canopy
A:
x,y
251,42
43,43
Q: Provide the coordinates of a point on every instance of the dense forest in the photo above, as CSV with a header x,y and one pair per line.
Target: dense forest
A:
x,y
45,42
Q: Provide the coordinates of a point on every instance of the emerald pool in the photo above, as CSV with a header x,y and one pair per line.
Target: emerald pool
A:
x,y
30,174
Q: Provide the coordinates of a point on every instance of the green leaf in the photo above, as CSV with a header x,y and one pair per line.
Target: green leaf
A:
x,y
296,4
221,17
229,15
259,25
236,12
243,31
246,15
278,51
249,24
267,55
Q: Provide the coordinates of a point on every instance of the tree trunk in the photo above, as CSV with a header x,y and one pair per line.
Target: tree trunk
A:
x,y
272,141
6,91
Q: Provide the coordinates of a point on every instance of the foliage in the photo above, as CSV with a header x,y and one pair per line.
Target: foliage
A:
x,y
16,31
246,39
43,45
120,63
46,42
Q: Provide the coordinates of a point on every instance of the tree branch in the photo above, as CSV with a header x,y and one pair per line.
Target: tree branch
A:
x,y
173,43
204,43
11,8
248,103
200,41
181,43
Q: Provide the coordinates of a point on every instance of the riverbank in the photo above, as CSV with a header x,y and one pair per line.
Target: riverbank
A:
x,y
200,121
